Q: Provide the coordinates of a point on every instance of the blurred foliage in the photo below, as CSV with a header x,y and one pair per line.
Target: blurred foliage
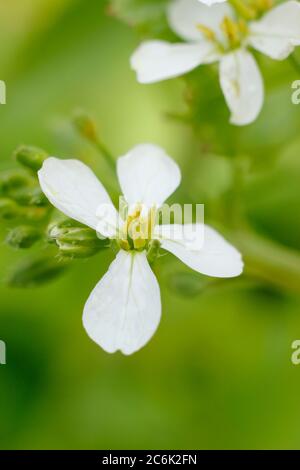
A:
x,y
36,270
147,16
217,373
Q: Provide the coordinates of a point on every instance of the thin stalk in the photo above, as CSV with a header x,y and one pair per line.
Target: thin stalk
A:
x,y
269,261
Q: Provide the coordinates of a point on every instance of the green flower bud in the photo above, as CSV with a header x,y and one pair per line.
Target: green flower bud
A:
x,y
36,271
23,237
30,157
12,180
9,209
61,222
85,125
187,284
76,241
30,197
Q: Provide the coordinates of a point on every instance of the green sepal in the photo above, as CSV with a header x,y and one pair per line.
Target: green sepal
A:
x,y
75,240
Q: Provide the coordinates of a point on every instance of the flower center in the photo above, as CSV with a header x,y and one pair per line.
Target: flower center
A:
x,y
235,31
137,230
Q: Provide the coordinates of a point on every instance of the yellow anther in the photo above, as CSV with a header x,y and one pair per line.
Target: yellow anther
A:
x,y
207,32
231,31
137,230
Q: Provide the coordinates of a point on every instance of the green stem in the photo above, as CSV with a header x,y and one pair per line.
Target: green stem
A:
x,y
105,154
269,261
153,251
294,62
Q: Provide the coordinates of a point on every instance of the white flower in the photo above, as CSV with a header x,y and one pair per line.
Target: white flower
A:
x,y
216,34
124,310
211,2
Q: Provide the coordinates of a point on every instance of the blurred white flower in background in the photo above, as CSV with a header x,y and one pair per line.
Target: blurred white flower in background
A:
x,y
211,2
217,33
124,310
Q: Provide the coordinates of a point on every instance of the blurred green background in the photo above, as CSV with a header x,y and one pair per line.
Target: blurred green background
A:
x,y
218,373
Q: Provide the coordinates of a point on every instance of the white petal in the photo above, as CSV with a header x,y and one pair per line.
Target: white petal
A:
x,y
159,60
242,85
124,310
185,15
109,221
211,2
72,187
201,248
147,175
278,32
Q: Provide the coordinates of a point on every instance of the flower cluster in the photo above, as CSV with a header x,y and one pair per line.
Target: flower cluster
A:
x,y
124,309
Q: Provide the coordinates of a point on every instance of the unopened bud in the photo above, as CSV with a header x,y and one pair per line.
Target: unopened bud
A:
x,y
23,237
33,196
9,209
13,179
36,271
76,241
30,157
186,284
85,125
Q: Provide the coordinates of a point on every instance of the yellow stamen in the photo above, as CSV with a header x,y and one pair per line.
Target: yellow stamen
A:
x,y
231,31
207,32
137,231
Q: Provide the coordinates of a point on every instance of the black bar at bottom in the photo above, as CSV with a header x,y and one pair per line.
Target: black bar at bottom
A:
x,y
134,458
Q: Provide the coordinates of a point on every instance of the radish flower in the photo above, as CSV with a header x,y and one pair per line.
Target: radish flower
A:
x,y
211,2
124,310
220,33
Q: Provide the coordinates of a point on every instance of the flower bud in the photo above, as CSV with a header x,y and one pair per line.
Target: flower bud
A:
x,y
36,271
85,125
23,237
30,157
76,241
12,180
33,196
186,284
9,209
